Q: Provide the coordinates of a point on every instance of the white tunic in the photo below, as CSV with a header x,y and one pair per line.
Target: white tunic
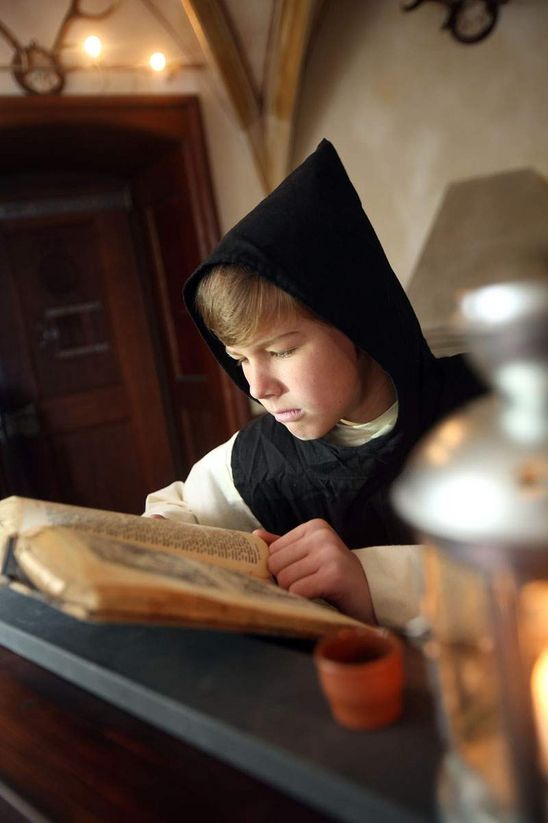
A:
x,y
209,497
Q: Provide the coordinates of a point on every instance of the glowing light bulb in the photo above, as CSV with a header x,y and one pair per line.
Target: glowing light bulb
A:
x,y
93,46
157,61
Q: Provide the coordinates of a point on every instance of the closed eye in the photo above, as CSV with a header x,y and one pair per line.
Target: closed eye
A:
x,y
279,355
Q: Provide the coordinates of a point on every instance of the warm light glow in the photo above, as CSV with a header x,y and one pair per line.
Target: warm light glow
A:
x,y
539,689
440,449
157,61
493,305
93,46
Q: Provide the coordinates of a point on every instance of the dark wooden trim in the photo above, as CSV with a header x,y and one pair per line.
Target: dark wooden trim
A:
x,y
66,755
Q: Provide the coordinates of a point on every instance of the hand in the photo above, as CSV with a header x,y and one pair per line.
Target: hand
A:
x,y
312,561
157,517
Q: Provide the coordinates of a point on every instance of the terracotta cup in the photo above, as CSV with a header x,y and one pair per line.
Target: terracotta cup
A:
x,y
361,673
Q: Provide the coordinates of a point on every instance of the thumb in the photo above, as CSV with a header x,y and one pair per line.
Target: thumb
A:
x,y
268,537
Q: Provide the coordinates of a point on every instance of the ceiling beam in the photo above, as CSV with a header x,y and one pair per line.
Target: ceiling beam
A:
x,y
216,37
292,24
268,124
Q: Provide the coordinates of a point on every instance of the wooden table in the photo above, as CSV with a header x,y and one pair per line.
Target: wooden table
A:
x,y
68,756
143,724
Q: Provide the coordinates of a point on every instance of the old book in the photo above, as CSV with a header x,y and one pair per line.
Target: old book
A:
x,y
107,566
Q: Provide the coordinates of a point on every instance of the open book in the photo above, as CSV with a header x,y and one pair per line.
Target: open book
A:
x,y
101,565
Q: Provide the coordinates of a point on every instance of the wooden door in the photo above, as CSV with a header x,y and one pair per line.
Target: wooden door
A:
x,y
82,411
154,146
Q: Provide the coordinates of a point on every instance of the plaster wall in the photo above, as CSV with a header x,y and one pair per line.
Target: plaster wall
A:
x,y
410,109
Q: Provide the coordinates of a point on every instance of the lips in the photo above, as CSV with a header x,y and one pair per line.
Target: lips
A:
x,y
288,415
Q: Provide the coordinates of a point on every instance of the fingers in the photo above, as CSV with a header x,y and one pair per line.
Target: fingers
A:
x,y
312,561
281,557
290,551
312,586
293,571
311,551
318,576
268,537
311,530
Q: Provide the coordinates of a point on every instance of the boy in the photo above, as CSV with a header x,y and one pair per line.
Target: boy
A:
x,y
300,306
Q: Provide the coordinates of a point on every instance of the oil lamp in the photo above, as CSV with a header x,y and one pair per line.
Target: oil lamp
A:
x,y
475,490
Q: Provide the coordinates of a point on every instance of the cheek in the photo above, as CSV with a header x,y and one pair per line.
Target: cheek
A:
x,y
340,371
330,381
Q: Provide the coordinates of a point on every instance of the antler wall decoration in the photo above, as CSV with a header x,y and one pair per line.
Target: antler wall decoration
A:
x,y
39,70
469,21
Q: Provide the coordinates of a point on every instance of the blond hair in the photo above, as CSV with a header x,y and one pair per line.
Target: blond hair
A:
x,y
237,304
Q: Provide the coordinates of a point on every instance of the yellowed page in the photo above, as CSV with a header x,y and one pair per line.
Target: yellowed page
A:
x,y
98,578
9,519
224,547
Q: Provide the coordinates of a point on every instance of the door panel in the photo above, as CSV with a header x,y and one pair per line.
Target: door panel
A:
x,y
58,284
76,348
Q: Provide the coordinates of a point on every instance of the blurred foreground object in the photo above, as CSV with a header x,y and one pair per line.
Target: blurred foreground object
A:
x,y
476,492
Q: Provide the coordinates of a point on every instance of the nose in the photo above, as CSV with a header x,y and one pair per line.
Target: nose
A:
x,y
262,384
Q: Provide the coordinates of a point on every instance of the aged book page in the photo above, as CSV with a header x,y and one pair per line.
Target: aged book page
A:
x,y
94,577
224,547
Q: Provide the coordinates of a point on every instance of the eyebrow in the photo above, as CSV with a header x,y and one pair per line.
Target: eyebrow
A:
x,y
262,343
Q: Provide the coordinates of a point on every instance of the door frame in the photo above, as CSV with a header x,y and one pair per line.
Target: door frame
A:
x,y
93,132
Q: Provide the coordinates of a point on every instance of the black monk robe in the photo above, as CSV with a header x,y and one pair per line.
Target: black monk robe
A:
x,y
311,237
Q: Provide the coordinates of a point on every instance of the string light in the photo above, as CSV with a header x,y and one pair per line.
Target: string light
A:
x,y
93,46
157,61
39,70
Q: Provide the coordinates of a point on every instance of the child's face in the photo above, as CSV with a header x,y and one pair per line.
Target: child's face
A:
x,y
310,375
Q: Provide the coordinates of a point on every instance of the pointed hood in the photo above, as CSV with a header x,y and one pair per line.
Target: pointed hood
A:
x,y
311,237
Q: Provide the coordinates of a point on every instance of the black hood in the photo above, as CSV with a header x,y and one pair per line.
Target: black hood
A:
x,y
311,237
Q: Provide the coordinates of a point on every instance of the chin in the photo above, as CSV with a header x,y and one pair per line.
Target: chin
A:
x,y
309,434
